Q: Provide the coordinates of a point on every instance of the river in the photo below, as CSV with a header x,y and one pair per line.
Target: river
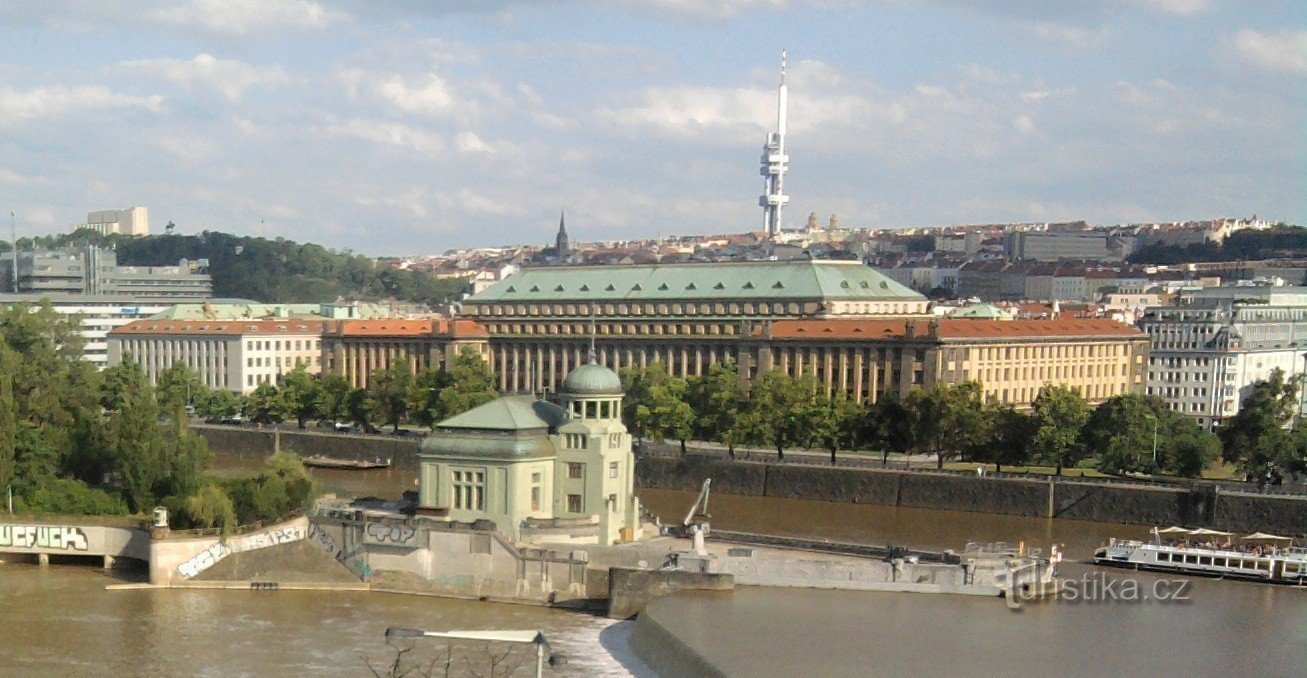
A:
x,y
61,619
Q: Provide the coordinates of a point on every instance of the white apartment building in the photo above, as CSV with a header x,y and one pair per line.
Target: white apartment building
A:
x,y
237,355
97,316
1211,346
129,221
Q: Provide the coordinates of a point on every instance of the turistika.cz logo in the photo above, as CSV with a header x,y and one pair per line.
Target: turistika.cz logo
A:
x,y
1099,588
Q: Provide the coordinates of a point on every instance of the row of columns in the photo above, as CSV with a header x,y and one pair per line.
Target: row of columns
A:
x,y
358,360
522,367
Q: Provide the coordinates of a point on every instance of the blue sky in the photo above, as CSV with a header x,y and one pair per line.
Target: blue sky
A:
x,y
414,127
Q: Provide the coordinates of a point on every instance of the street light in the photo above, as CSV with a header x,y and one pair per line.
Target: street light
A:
x,y
1154,418
536,638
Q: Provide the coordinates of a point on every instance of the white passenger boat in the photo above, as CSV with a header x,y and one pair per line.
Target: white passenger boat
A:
x,y
1211,553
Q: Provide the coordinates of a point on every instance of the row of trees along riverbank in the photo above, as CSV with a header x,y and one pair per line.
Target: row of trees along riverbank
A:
x,y
392,397
77,441
956,421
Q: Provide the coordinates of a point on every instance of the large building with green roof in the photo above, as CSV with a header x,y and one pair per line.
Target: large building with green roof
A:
x,y
686,316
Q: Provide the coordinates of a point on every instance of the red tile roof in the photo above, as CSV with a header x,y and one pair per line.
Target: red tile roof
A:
x,y
401,327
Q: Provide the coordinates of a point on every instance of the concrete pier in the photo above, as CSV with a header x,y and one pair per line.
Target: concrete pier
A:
x,y
43,559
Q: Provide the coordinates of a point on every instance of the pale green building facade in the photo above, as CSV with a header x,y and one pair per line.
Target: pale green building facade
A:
x,y
541,471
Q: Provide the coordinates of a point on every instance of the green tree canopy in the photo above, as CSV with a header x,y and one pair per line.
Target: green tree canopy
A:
x,y
302,394
1257,438
948,419
1059,414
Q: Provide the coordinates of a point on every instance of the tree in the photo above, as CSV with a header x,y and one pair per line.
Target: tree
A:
x,y
839,423
783,410
211,507
301,393
470,383
1059,414
638,383
390,388
1009,437
1187,454
947,419
718,401
177,384
887,426
265,405
218,402
359,406
665,414
1257,438
424,396
333,397
136,444
8,417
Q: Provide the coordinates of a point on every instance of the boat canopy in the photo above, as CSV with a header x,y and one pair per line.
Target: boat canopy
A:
x,y
1204,532
1172,530
1262,536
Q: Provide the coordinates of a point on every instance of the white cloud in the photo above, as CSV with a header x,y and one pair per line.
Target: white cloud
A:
x,y
430,95
710,9
469,142
1066,34
388,134
241,17
1180,7
57,100
230,78
1281,51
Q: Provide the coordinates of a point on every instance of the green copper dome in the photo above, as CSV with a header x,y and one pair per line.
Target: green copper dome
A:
x,y
592,380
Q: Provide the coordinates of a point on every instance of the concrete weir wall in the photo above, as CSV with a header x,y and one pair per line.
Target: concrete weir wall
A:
x,y
1102,502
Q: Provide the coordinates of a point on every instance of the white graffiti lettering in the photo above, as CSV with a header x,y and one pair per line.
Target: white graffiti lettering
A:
x,y
43,537
390,534
250,542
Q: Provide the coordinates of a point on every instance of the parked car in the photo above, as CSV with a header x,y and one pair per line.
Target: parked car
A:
x,y
343,426
232,419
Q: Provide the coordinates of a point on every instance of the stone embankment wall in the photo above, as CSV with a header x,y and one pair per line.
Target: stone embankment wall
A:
x,y
1202,504
1103,502
261,442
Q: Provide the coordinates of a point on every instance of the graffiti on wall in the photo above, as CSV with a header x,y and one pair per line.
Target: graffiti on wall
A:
x,y
57,537
250,542
391,534
352,560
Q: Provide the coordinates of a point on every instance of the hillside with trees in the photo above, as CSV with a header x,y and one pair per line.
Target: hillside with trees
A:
x,y
278,270
1247,245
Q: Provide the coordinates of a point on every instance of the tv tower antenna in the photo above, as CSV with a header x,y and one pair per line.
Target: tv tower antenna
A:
x,y
775,163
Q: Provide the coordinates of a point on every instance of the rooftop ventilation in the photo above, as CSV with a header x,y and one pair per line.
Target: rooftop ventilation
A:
x,y
610,288
778,286
558,289
535,288
663,287
636,287
585,288
691,286
511,289
748,285
719,286
844,284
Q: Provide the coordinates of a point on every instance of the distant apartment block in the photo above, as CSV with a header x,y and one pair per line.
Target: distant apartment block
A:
x,y
237,355
1063,245
1209,348
97,316
129,221
95,270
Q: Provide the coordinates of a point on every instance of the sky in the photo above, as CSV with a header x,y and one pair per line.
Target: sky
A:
x,y
416,126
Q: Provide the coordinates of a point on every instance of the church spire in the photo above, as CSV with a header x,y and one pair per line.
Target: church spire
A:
x,y
561,249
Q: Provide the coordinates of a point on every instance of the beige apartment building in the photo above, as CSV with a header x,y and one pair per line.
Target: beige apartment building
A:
x,y
237,355
1012,359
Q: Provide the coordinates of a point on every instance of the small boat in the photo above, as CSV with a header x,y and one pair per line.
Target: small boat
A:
x,y
320,461
1211,553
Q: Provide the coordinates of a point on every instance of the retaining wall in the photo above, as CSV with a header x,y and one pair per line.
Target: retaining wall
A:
x,y
1201,505
256,442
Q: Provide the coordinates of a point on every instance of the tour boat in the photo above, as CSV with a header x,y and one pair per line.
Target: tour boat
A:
x,y
1211,553
321,461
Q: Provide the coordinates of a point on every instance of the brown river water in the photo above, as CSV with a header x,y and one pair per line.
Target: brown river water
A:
x,y
62,621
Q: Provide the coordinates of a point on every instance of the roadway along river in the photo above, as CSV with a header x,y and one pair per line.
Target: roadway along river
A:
x,y
62,621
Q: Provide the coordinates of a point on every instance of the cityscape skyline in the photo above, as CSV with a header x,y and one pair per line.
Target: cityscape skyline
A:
x,y
387,130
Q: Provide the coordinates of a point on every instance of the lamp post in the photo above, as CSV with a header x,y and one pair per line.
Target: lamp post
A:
x,y
1154,418
536,638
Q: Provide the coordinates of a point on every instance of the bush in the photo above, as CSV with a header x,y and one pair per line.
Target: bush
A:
x,y
70,497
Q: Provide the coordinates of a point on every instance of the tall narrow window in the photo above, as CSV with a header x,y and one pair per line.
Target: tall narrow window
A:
x,y
573,503
469,490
